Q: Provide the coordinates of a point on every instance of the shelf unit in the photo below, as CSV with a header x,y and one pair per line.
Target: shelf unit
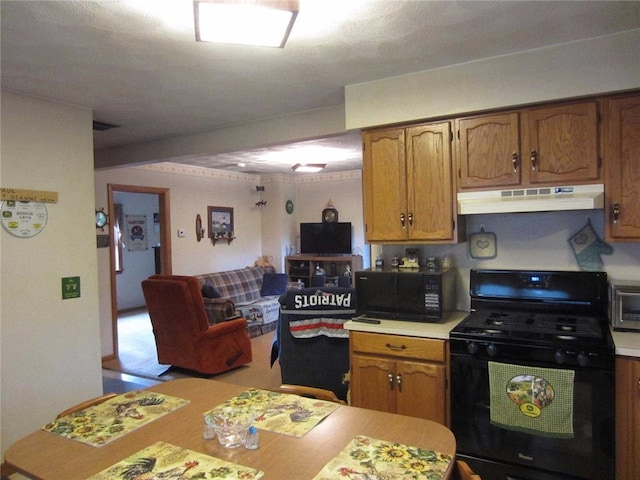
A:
x,y
303,267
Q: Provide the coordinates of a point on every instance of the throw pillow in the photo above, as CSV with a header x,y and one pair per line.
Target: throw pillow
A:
x,y
274,284
210,291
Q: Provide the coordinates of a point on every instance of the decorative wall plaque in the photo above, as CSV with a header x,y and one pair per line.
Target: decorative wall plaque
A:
x,y
23,219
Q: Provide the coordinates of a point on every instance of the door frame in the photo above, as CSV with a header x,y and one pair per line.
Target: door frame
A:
x,y
165,241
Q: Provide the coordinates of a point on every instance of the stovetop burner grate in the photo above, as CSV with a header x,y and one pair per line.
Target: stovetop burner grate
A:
x,y
532,327
542,309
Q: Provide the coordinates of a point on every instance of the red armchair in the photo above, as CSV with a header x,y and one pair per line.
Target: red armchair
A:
x,y
182,332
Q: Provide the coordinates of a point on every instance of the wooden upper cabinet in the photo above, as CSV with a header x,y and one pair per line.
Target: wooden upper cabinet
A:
x,y
384,177
560,144
429,182
408,184
555,145
622,159
488,151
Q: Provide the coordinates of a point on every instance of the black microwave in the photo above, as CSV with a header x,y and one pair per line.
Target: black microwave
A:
x,y
418,295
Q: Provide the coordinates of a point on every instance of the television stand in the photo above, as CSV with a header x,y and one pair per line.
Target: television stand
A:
x,y
303,267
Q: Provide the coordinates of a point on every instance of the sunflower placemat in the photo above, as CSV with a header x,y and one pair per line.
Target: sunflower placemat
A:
x,y
366,457
100,424
164,460
279,412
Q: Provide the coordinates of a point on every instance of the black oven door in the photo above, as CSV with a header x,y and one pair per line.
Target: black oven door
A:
x,y
498,453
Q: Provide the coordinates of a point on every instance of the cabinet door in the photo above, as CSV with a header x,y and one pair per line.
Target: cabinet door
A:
x,y
627,418
560,144
384,185
622,144
372,383
421,390
429,182
488,151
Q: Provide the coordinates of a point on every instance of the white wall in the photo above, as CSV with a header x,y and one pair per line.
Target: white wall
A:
x,y
345,192
50,351
536,241
588,67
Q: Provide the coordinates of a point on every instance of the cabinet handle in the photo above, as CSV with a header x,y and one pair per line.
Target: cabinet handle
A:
x,y
390,377
402,220
396,347
411,219
399,381
514,160
534,159
615,212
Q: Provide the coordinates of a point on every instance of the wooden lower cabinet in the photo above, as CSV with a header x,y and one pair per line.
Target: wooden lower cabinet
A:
x,y
627,418
400,374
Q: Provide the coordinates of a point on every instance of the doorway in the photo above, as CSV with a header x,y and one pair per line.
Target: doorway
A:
x,y
164,257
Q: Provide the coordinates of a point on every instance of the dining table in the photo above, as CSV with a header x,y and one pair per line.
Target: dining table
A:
x,y
46,455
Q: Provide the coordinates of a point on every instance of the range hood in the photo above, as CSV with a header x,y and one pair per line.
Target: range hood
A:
x,y
542,199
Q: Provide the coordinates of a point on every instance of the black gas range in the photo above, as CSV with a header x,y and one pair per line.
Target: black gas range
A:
x,y
535,319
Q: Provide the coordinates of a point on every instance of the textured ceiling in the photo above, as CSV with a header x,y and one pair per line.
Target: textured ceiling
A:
x,y
151,78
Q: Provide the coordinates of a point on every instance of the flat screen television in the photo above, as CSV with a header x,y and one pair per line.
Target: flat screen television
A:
x,y
325,238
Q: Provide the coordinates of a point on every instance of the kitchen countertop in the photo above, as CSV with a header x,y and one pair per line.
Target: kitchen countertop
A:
x,y
438,329
627,343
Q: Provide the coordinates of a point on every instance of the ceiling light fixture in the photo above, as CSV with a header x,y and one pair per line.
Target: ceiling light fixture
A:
x,y
308,168
247,22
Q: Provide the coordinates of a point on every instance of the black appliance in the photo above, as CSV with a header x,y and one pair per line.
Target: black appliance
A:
x,y
547,319
325,238
415,294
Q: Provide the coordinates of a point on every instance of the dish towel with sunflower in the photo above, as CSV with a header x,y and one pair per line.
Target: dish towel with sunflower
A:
x,y
533,400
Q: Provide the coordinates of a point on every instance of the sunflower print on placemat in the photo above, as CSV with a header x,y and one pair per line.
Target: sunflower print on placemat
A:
x,y
368,458
277,412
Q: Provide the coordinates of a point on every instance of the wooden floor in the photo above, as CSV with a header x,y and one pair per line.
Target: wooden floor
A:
x,y
138,367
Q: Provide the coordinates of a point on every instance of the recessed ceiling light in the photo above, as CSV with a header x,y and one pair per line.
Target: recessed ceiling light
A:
x,y
309,167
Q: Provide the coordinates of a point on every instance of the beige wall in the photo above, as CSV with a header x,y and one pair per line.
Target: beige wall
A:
x,y
259,231
587,67
50,350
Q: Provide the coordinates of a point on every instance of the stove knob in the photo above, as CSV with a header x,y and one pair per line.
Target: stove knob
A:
x,y
492,350
472,348
583,359
560,356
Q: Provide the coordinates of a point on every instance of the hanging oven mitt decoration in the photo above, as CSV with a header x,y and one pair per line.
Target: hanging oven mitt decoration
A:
x,y
588,247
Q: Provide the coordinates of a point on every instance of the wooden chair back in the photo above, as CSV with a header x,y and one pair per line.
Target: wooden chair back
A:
x,y
86,404
462,471
311,392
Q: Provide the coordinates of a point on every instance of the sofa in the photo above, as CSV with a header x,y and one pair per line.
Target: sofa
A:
x,y
250,292
311,344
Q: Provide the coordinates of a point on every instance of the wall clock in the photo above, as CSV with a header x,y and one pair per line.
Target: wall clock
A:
x,y
101,219
330,215
289,207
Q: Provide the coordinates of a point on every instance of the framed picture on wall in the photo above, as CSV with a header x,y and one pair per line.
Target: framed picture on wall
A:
x,y
220,221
